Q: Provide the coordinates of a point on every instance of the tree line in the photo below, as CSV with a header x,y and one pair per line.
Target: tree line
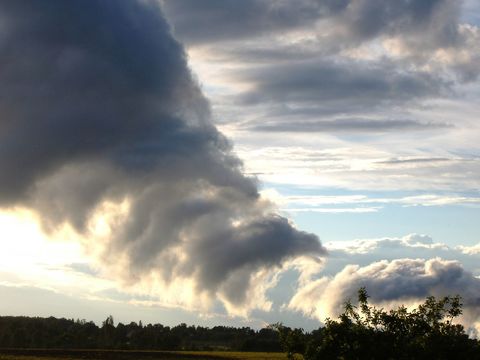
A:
x,y
53,333
362,331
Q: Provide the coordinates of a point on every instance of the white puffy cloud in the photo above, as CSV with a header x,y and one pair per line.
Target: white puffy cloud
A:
x,y
391,283
470,250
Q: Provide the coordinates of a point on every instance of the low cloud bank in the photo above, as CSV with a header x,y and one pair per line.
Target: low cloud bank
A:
x,y
390,284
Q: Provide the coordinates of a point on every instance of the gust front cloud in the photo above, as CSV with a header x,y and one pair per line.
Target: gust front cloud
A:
x,y
99,108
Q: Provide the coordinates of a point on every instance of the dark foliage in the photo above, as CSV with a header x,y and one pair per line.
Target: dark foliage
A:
x,y
361,332
366,332
52,333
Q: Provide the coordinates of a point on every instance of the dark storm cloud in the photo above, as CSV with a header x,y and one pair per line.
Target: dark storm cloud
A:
x,y
305,96
72,86
97,105
317,82
330,59
302,70
214,20
250,246
432,20
348,125
360,20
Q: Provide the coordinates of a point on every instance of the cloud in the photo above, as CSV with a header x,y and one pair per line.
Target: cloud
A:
x,y
470,250
312,70
338,76
217,20
338,97
360,163
427,33
331,210
347,125
354,21
364,203
412,242
330,82
83,268
391,283
432,21
366,251
396,161
102,121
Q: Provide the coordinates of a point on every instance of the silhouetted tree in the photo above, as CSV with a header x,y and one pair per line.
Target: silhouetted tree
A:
x,y
108,333
366,332
293,341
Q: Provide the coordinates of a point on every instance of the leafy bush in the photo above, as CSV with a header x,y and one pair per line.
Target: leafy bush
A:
x,y
363,331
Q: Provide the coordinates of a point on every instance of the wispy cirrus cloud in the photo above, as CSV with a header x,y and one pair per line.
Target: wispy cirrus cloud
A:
x,y
369,165
313,201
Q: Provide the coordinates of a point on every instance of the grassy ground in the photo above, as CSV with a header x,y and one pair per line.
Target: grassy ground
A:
x,y
240,355
135,355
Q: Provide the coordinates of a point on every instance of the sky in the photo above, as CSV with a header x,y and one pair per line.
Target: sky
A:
x,y
238,162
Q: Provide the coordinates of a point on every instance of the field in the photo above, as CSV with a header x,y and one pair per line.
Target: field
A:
x,y
29,354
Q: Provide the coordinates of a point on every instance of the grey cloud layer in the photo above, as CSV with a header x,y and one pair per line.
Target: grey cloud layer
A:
x,y
422,26
348,125
322,81
217,20
97,105
323,59
363,67
304,96
222,20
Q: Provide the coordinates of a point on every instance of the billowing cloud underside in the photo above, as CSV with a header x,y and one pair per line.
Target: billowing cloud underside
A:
x,y
99,107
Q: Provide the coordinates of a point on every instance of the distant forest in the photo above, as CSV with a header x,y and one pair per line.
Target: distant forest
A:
x,y
53,333
362,331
